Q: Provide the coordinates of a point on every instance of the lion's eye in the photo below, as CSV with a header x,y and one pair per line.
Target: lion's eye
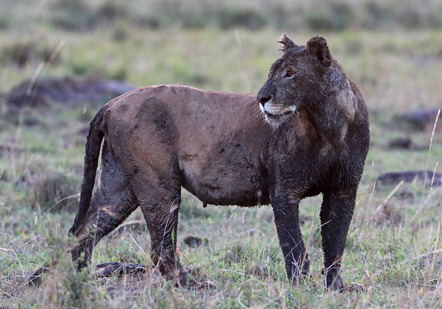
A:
x,y
290,73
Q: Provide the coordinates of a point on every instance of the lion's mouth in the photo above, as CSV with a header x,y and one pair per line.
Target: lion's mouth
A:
x,y
281,115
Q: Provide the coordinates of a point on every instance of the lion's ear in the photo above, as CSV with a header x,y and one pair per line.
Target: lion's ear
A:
x,y
318,48
286,43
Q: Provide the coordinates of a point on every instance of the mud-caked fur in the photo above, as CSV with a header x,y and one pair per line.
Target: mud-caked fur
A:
x,y
218,146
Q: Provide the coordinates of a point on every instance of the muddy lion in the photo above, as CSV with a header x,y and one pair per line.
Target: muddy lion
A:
x,y
305,133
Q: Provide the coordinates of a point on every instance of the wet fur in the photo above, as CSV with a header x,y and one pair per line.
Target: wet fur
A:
x,y
217,145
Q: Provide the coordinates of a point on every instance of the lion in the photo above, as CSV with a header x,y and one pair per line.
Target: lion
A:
x,y
305,133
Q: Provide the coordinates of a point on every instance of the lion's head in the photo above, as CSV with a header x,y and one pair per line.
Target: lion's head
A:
x,y
303,77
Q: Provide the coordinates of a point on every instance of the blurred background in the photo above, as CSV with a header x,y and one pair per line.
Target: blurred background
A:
x,y
197,42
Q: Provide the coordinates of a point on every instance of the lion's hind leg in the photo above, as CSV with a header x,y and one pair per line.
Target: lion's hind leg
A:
x,y
101,221
111,204
160,198
162,222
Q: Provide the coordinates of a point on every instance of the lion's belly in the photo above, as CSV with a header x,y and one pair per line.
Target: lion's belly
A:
x,y
224,190
221,181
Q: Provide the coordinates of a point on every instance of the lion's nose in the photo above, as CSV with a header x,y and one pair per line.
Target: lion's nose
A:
x,y
264,98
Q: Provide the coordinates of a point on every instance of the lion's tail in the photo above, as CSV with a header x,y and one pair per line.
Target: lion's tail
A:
x,y
93,146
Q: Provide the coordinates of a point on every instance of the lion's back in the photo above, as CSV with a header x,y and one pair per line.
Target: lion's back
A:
x,y
214,138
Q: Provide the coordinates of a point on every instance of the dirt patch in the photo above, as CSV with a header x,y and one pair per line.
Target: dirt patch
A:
x,y
136,276
427,177
404,143
65,91
195,242
418,120
108,269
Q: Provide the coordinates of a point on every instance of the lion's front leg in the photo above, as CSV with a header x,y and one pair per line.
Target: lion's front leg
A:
x,y
336,214
286,211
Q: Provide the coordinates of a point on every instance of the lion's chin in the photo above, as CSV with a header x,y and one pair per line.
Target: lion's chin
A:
x,y
275,120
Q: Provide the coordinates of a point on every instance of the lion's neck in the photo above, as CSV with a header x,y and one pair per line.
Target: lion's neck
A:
x,y
334,108
329,121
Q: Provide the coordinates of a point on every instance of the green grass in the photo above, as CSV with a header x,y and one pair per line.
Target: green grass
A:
x,y
390,237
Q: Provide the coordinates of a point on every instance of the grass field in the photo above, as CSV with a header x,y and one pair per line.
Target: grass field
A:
x,y
394,245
